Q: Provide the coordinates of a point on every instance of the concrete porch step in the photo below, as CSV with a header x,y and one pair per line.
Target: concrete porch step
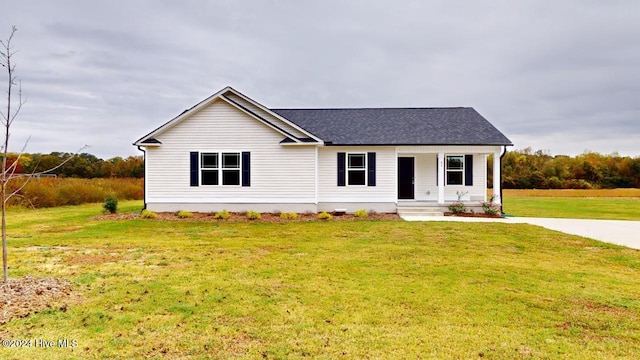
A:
x,y
419,211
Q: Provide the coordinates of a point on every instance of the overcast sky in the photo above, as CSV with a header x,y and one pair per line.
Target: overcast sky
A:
x,y
560,76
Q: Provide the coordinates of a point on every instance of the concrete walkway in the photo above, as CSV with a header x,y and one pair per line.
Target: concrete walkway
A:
x,y
619,232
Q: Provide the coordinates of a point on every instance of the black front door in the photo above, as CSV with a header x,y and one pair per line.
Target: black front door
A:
x,y
406,173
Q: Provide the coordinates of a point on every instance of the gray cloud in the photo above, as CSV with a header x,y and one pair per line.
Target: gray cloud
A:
x,y
556,76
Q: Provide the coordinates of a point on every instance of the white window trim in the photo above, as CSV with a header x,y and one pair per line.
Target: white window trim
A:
x,y
446,169
220,169
365,169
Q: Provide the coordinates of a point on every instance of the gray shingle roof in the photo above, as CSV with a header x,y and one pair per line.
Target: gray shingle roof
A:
x,y
397,126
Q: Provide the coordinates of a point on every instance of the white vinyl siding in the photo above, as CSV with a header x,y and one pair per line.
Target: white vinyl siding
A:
x,y
329,191
278,173
425,175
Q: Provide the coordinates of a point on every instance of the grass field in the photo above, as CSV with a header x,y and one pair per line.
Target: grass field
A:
x,y
361,289
612,204
53,192
572,193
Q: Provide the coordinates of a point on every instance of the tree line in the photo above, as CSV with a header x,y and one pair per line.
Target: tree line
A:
x,y
527,169
83,165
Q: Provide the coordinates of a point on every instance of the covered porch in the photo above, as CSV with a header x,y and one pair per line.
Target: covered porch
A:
x,y
434,178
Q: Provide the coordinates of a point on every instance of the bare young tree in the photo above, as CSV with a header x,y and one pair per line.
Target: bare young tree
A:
x,y
7,119
8,171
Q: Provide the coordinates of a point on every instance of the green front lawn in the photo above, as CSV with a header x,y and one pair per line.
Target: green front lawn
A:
x,y
352,290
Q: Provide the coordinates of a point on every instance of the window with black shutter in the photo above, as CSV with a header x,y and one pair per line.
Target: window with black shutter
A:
x,y
220,168
459,170
357,169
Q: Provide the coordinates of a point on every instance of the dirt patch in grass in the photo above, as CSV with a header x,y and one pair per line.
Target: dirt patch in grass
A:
x,y
118,217
595,307
92,259
241,217
27,295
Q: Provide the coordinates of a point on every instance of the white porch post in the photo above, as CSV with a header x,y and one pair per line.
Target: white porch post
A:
x,y
496,177
315,196
441,178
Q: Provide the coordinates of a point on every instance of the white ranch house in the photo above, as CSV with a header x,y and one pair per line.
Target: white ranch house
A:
x,y
230,152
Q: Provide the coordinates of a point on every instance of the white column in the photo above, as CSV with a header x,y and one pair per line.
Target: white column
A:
x,y
316,176
395,171
496,177
486,173
441,178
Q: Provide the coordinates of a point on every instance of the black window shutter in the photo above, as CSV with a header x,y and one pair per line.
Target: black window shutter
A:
x,y
437,169
341,169
468,170
194,168
371,168
246,169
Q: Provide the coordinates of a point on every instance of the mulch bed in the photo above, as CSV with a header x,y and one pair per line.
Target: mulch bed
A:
x,y
241,217
23,296
479,215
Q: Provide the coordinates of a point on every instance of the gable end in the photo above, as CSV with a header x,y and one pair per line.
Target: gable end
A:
x,y
305,138
260,118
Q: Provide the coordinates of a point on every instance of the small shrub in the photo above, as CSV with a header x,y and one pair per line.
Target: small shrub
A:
x,y
146,214
253,215
460,194
362,213
222,215
325,216
288,215
110,205
457,208
490,208
184,214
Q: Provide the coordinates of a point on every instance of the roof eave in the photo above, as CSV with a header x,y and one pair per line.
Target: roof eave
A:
x,y
302,144
329,143
146,144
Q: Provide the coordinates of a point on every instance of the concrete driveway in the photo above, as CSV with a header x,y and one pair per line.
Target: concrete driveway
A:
x,y
619,232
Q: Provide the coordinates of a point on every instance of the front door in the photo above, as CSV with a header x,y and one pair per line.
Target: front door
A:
x,y
406,177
